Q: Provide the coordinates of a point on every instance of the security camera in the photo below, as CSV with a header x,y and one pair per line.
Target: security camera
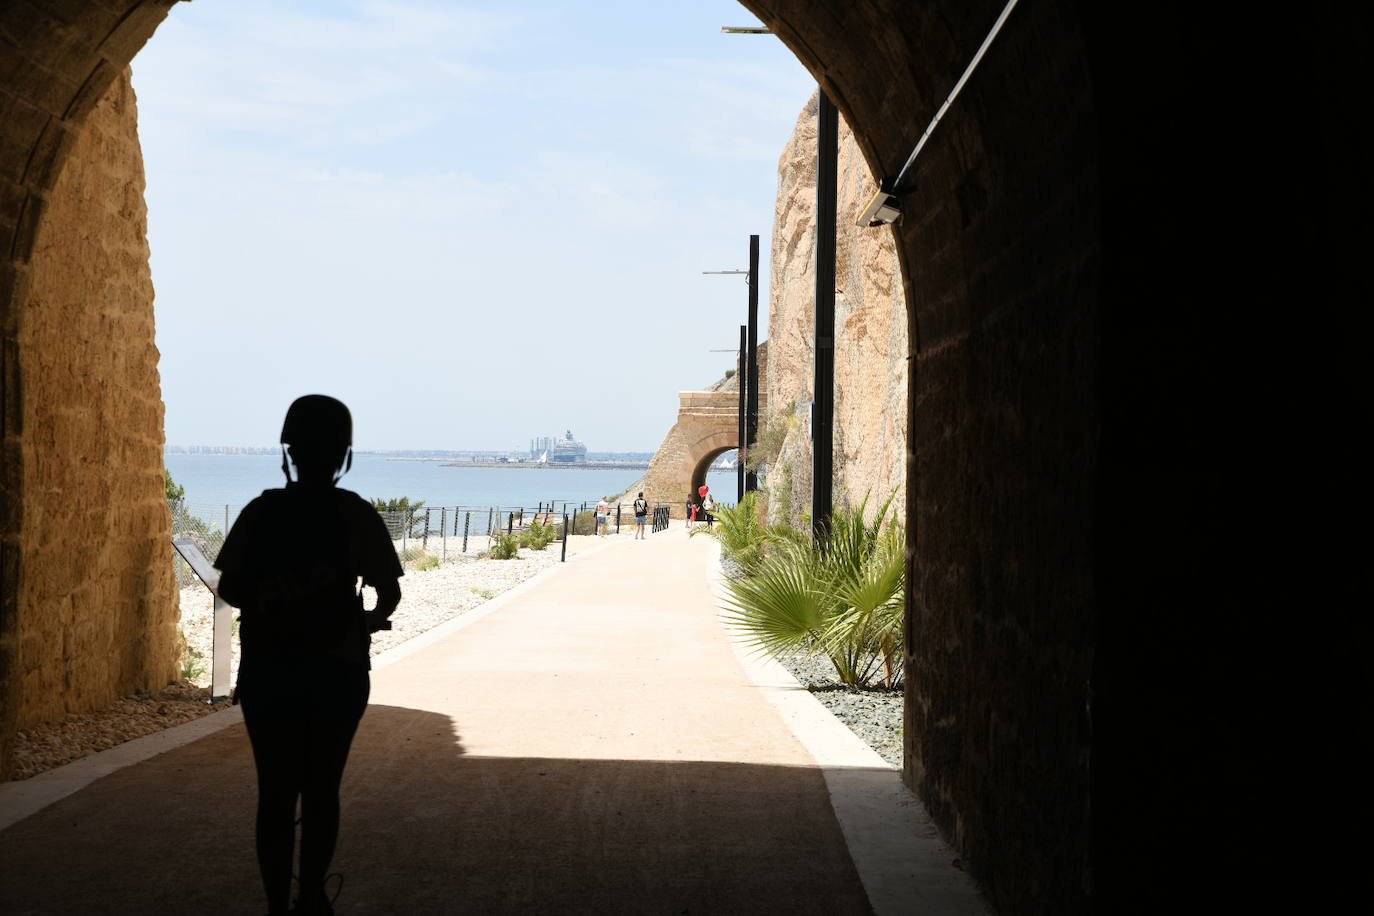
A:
x,y
883,207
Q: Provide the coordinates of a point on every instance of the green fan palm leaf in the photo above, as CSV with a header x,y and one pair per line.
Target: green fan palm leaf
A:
x,y
843,598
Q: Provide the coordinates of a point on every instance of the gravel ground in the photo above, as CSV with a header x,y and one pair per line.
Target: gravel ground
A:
x,y
874,714
429,598
54,743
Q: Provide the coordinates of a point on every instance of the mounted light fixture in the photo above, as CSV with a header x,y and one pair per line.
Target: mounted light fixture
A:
x,y
883,208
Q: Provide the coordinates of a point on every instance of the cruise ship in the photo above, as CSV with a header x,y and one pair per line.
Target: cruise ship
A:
x,y
567,450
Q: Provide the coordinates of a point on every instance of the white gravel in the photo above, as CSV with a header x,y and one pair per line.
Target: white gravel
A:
x,y
428,598
872,713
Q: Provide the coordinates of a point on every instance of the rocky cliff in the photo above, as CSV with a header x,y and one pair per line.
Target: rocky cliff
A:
x,y
870,337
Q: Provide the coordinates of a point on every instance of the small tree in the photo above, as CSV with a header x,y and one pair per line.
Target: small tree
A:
x,y
206,535
400,515
175,492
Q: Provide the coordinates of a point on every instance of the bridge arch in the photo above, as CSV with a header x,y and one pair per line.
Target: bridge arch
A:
x,y
703,467
707,425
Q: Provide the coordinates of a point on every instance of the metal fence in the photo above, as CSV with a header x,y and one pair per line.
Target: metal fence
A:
x,y
427,535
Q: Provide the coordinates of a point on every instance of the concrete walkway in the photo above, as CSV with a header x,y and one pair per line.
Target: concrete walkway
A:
x,y
591,745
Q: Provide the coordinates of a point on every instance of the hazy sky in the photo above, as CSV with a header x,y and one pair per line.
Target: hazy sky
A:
x,y
473,222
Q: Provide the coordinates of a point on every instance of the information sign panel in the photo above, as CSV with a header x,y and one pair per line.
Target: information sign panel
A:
x,y
222,633
200,564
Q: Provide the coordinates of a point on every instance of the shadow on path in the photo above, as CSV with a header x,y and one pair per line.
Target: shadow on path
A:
x,y
429,829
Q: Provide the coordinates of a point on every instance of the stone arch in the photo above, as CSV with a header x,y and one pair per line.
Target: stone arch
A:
x,y
704,466
1055,235
707,425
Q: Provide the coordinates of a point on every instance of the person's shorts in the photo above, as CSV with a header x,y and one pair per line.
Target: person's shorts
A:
x,y
640,520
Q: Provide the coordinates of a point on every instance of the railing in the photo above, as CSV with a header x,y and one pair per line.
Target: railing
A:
x,y
425,534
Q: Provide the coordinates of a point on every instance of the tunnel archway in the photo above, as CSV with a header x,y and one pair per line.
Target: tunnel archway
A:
x,y
1044,261
703,466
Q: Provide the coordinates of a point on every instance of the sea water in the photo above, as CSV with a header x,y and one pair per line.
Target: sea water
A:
x,y
213,482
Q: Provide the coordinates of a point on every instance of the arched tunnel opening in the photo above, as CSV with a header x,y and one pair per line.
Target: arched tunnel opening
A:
x,y
1069,270
703,468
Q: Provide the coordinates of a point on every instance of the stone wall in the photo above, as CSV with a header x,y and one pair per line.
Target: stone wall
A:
x,y
870,336
98,610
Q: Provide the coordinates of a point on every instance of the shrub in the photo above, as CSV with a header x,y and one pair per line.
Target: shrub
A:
x,y
842,598
768,446
504,547
538,537
192,662
426,561
584,522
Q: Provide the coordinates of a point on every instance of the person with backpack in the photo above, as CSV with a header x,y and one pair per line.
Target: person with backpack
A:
x,y
291,565
641,515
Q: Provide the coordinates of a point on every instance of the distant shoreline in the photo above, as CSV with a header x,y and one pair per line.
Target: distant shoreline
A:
x,y
560,466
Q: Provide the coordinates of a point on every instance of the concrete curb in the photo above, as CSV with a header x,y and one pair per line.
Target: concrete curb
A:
x,y
904,865
20,799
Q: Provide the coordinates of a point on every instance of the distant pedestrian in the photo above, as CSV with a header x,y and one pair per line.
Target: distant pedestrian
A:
x,y
708,506
641,515
603,512
690,508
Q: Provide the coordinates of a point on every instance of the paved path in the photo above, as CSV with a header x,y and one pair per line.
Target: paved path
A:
x,y
593,746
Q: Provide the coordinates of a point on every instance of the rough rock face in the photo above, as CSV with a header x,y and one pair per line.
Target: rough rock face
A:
x,y
870,336
98,601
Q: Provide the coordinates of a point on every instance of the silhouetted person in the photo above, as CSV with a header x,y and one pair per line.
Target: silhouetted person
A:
x,y
291,565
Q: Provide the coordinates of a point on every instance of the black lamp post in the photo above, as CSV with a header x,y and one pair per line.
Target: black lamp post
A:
x,y
822,425
749,371
823,384
740,373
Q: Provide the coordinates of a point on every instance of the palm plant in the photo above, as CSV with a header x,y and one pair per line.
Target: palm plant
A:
x,y
742,535
842,598
400,515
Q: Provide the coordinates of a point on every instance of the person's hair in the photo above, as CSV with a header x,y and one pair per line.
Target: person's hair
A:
x,y
641,494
